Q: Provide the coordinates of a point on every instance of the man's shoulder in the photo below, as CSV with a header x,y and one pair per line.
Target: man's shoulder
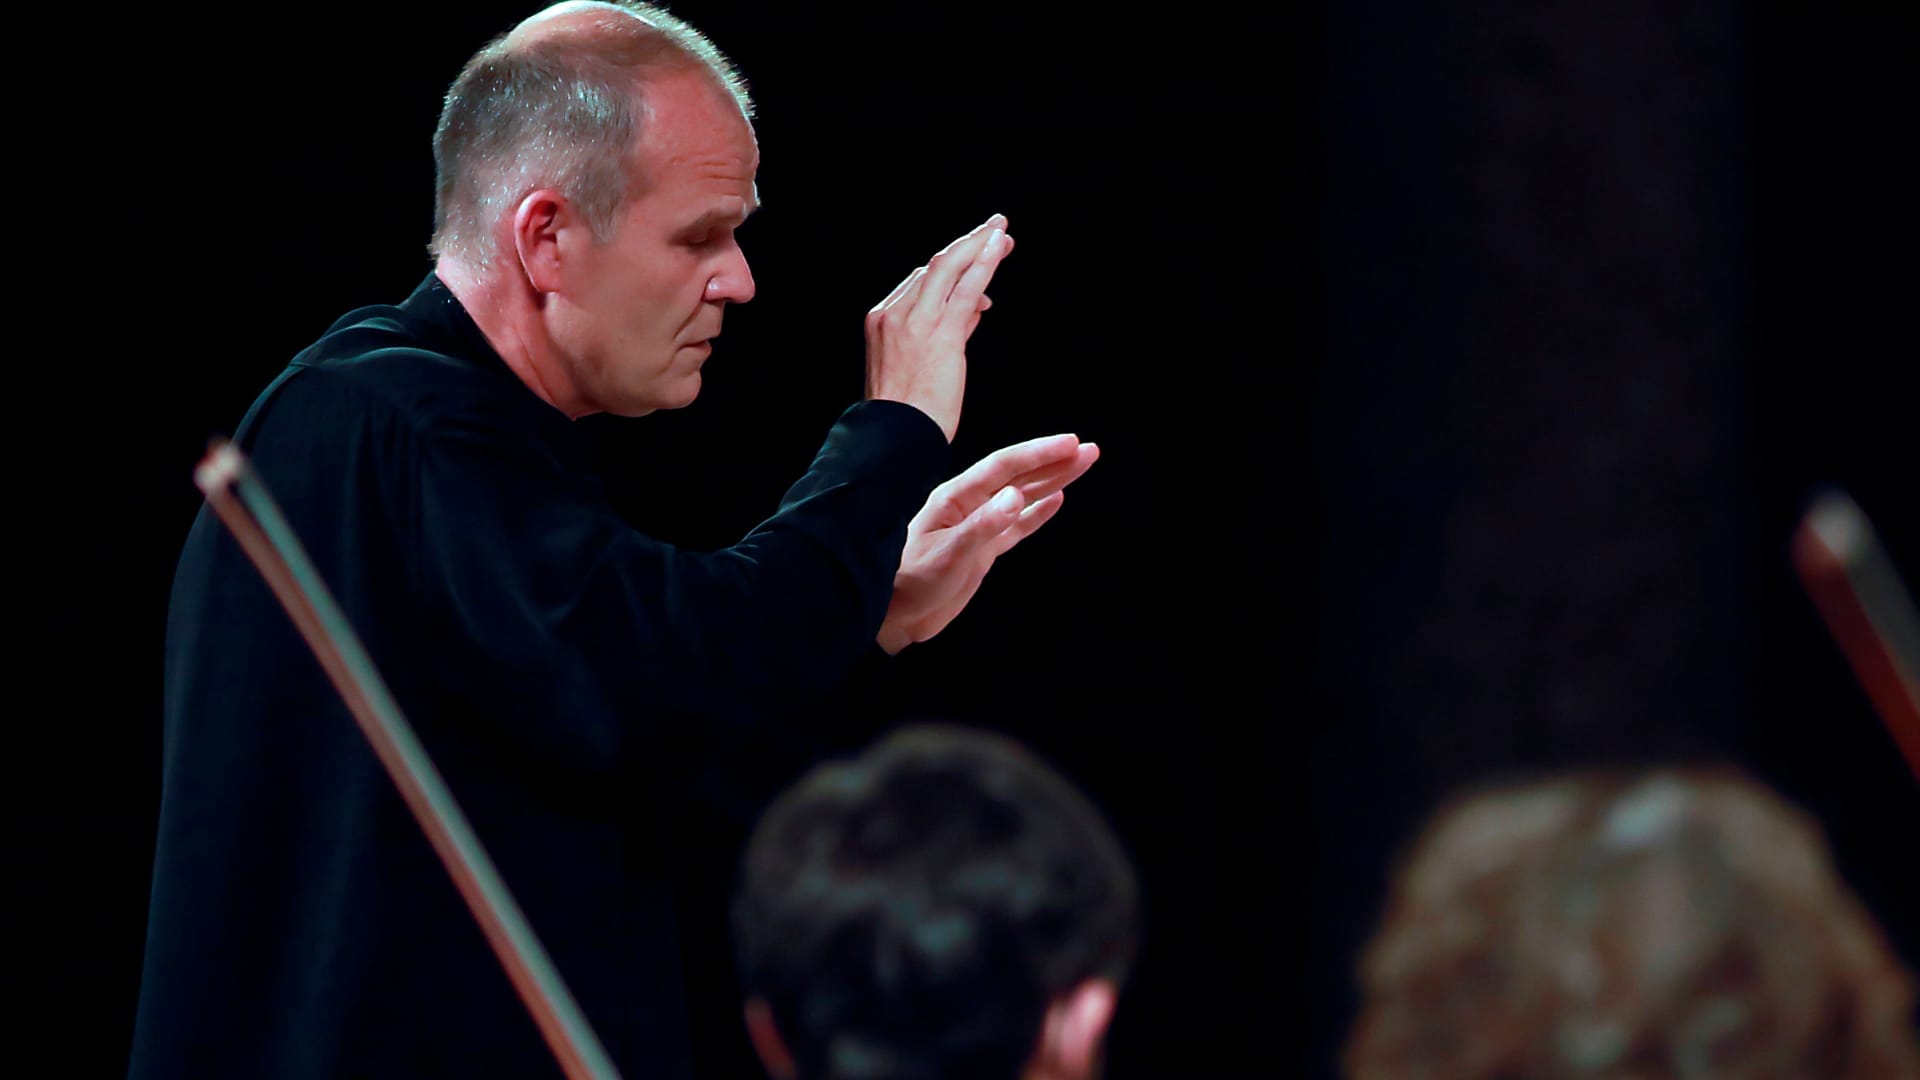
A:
x,y
380,347
386,359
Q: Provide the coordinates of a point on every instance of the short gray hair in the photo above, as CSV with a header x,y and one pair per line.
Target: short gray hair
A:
x,y
564,111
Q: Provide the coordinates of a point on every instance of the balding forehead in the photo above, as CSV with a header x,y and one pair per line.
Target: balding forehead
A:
x,y
633,38
569,17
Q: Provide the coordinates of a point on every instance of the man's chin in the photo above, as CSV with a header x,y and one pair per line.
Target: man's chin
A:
x,y
689,389
680,395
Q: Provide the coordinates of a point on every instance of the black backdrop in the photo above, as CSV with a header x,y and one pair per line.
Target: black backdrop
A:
x,y
1458,376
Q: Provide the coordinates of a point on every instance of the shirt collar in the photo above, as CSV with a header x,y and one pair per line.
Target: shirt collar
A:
x,y
445,320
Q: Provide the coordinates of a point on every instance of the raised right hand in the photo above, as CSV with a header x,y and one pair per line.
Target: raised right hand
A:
x,y
917,336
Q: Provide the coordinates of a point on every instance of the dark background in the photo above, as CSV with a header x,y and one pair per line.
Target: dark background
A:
x,y
1459,377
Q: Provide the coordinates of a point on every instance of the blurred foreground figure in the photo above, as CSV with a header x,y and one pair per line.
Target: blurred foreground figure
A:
x,y
1668,924
943,906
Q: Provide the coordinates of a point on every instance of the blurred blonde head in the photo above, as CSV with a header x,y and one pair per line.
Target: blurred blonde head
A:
x,y
1651,925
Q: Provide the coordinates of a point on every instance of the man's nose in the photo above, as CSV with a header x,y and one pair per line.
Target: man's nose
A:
x,y
734,280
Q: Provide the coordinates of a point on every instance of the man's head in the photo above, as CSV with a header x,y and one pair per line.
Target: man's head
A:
x,y
1668,924
593,164
944,905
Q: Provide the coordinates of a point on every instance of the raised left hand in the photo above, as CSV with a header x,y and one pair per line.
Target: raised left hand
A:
x,y
971,520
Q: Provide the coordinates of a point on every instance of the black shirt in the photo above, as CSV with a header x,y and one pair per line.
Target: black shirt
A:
x,y
561,669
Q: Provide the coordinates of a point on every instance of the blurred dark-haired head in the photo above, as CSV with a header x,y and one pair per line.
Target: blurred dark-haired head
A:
x,y
944,905
1648,925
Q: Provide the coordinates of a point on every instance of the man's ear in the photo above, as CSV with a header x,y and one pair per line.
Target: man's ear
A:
x,y
1076,1026
767,1041
541,237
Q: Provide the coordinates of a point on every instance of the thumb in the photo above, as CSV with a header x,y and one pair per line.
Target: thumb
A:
x,y
996,515
1007,503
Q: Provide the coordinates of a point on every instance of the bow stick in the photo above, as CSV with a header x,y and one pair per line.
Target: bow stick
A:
x,y
1853,582
249,512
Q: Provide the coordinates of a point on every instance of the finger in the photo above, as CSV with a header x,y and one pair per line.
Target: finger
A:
x,y
945,269
973,320
919,272
972,285
903,293
965,247
981,528
1048,479
900,291
1035,515
991,473
994,221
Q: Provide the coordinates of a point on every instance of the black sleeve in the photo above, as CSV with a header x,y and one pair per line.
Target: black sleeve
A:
x,y
561,613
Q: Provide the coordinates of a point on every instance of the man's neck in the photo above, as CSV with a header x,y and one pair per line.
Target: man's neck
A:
x,y
510,323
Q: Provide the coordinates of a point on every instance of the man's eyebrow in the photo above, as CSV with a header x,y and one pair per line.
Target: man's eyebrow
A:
x,y
717,216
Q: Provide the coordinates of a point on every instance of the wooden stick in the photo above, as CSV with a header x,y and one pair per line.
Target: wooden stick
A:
x,y
249,512
1853,582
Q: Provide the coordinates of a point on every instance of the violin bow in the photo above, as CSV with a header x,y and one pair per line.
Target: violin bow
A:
x,y
1852,580
237,495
